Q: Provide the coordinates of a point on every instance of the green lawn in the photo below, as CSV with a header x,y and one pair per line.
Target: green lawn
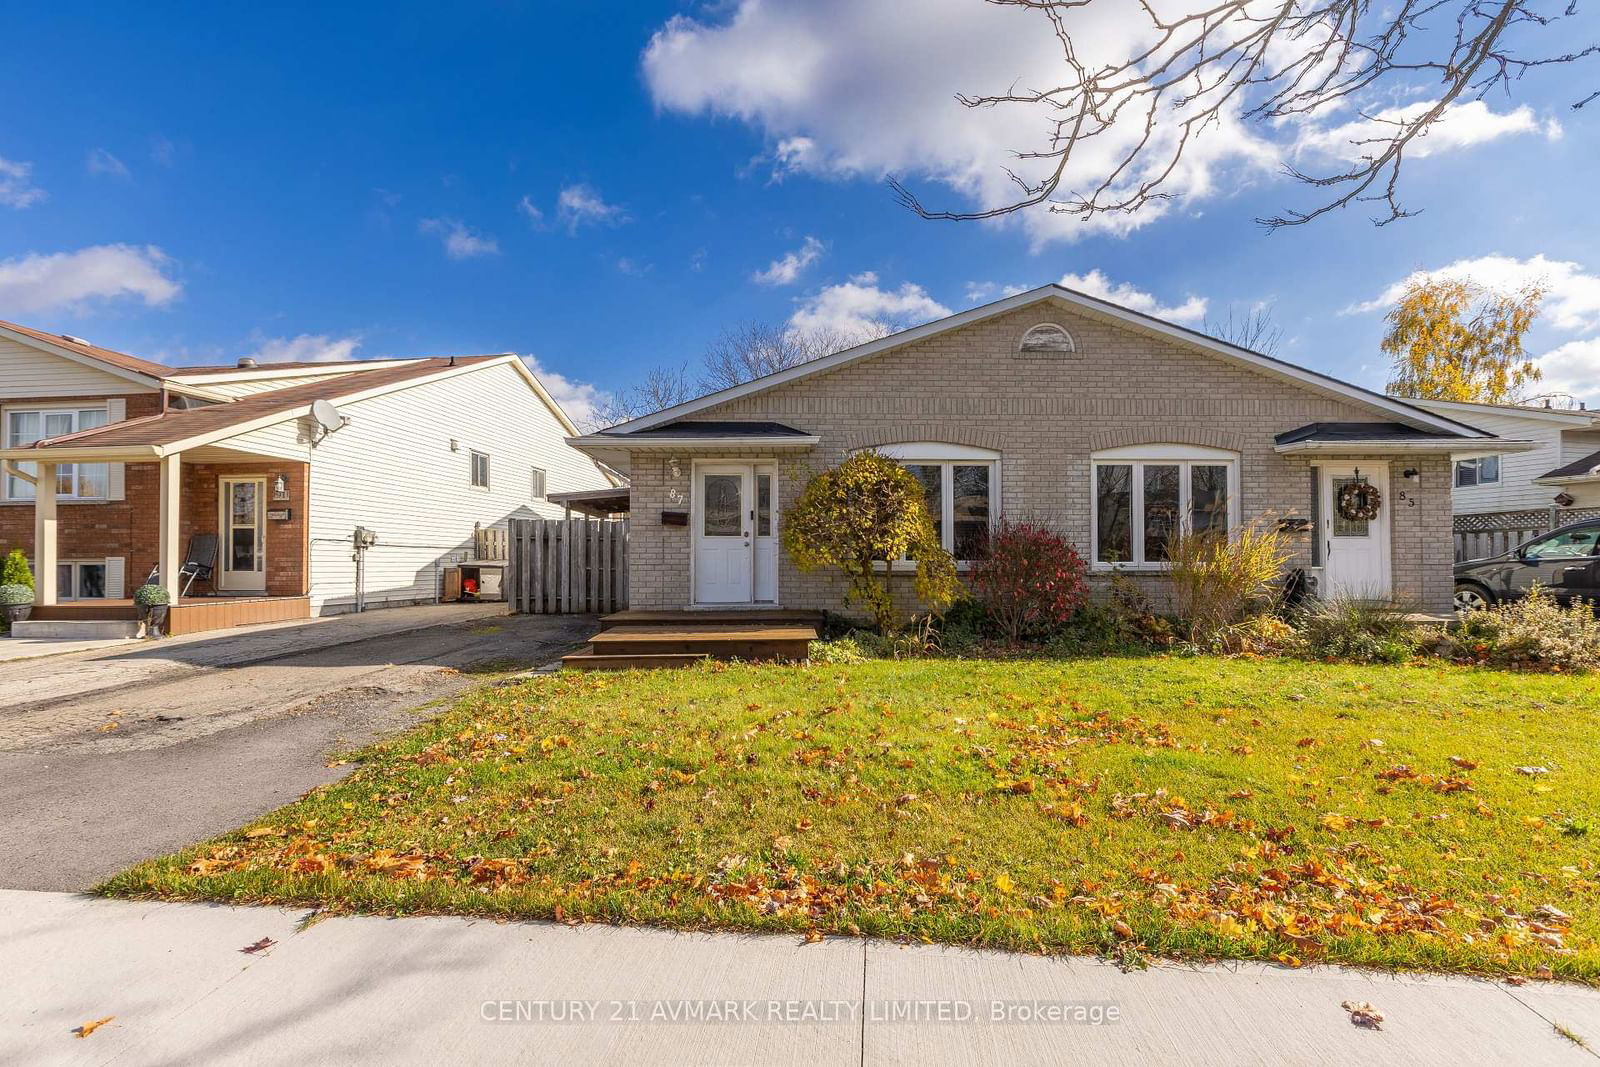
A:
x,y
1166,806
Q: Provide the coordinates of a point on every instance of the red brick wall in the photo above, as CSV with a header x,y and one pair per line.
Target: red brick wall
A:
x,y
95,531
287,569
131,527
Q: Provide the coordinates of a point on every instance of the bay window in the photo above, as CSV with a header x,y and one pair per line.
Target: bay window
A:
x,y
1145,495
74,481
961,484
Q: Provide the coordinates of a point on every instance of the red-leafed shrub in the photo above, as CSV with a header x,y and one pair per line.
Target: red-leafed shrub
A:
x,y
1030,579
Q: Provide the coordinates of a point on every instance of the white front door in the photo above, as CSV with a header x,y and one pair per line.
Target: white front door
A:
x,y
1355,552
243,544
723,517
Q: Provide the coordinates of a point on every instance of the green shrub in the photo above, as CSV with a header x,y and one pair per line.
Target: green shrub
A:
x,y
1357,629
1534,633
14,593
857,646
1259,635
15,570
149,596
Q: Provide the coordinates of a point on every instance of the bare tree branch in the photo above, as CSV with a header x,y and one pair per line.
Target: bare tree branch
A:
x,y
1253,328
1267,62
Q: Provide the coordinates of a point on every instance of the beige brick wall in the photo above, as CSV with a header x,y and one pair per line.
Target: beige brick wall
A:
x,y
1045,416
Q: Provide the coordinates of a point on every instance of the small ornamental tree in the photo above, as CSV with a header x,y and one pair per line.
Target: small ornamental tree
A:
x,y
862,516
15,570
1030,579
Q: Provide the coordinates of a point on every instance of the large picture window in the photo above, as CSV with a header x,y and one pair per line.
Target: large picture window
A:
x,y
961,484
74,481
1144,496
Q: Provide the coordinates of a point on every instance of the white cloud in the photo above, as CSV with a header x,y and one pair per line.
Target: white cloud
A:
x,y
580,400
580,204
787,270
1193,309
16,184
531,212
101,161
1572,368
1572,295
1461,126
307,348
36,282
860,306
460,241
856,88
634,268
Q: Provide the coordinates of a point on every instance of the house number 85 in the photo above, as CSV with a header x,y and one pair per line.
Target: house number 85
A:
x,y
1410,500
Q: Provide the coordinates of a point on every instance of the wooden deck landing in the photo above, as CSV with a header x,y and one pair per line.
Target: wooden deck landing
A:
x,y
678,638
190,615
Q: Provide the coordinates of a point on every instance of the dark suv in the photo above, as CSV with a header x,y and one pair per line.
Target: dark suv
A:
x,y
1565,562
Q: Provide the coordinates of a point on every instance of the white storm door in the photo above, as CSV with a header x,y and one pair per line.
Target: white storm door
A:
x,y
243,544
766,533
1355,551
724,569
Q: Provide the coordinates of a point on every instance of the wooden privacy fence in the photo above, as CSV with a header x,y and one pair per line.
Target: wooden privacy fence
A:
x,y
567,566
1481,535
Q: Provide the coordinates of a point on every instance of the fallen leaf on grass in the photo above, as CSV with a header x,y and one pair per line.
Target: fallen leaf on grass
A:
x,y
258,946
1532,771
813,937
1463,763
88,1028
1363,1014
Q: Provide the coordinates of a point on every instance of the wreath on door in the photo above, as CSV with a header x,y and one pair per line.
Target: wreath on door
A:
x,y
1359,500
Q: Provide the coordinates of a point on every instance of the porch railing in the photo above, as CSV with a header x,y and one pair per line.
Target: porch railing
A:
x,y
567,566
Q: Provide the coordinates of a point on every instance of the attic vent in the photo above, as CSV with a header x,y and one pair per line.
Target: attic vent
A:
x,y
74,340
1047,339
247,363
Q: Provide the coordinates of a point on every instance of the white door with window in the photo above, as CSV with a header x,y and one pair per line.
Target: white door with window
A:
x,y
243,548
1355,552
724,552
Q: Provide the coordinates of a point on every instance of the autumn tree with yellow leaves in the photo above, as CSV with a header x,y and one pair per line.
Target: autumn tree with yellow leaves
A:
x,y
1458,340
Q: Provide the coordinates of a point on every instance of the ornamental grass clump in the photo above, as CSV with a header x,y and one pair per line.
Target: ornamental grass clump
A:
x,y
1219,581
1536,632
1030,580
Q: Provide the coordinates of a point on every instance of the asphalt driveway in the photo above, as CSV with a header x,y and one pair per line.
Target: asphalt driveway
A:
x,y
108,758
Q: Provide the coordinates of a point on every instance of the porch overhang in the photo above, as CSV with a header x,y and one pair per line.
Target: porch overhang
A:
x,y
616,450
1464,446
597,502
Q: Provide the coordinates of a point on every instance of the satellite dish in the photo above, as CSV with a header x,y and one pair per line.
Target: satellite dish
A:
x,y
327,416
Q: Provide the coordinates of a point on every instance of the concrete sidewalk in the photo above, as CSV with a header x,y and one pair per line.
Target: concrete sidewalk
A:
x,y
442,990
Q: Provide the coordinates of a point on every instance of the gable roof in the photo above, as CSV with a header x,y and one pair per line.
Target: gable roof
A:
x,y
81,351
176,429
1084,302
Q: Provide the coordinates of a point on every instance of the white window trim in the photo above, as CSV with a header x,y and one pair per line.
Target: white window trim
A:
x,y
62,594
934,453
1137,456
539,489
46,410
472,470
1477,461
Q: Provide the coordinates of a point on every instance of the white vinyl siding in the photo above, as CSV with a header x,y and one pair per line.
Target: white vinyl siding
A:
x,y
26,371
1515,490
391,470
249,386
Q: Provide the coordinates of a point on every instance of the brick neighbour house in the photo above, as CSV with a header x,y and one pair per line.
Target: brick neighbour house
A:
x,y
281,462
1055,429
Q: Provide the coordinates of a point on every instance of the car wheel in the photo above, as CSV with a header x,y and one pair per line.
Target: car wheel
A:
x,y
1471,597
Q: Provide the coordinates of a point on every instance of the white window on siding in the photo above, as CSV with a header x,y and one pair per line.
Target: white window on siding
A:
x,y
1481,470
539,487
962,486
1143,496
74,481
480,470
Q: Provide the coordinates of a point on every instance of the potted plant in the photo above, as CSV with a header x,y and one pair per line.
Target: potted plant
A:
x,y
152,601
17,602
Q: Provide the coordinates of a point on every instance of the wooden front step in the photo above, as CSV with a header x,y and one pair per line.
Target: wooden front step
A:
x,y
751,641
590,660
764,616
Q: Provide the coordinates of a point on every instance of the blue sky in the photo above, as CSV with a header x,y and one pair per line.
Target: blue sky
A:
x,y
598,187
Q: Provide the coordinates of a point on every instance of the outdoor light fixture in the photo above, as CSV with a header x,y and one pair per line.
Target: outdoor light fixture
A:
x,y
280,487
1410,473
